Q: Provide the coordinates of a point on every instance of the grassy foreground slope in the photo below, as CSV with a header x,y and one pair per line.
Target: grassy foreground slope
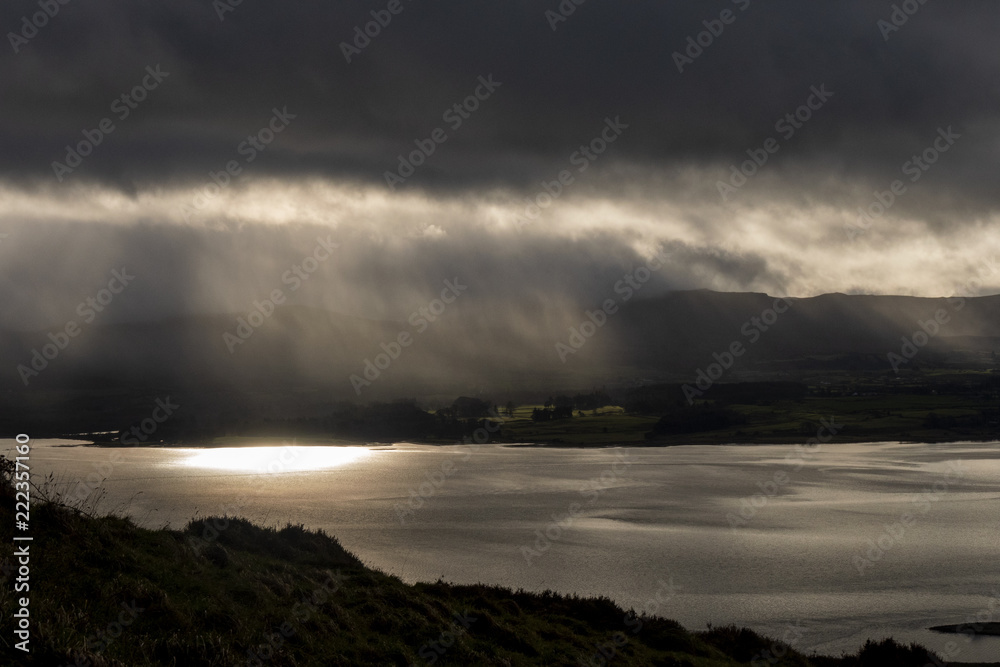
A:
x,y
227,592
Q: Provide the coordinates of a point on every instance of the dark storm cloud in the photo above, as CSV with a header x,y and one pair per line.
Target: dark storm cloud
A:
x,y
606,59
170,92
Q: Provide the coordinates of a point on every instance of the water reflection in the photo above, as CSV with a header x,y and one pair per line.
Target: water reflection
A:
x,y
290,458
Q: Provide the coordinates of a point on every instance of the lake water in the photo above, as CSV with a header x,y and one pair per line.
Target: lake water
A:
x,y
844,542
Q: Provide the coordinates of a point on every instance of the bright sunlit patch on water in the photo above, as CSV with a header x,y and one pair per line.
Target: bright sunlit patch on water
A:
x,y
275,459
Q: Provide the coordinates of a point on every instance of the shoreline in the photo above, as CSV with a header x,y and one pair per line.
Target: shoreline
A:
x,y
233,559
988,629
270,441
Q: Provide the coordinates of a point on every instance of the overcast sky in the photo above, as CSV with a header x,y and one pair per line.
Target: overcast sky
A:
x,y
665,119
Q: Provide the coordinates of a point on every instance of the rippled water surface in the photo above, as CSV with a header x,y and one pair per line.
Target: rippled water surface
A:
x,y
850,542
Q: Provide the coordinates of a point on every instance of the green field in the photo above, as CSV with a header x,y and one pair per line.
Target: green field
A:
x,y
857,419
609,427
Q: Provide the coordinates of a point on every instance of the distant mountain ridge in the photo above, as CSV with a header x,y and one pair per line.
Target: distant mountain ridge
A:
x,y
472,349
